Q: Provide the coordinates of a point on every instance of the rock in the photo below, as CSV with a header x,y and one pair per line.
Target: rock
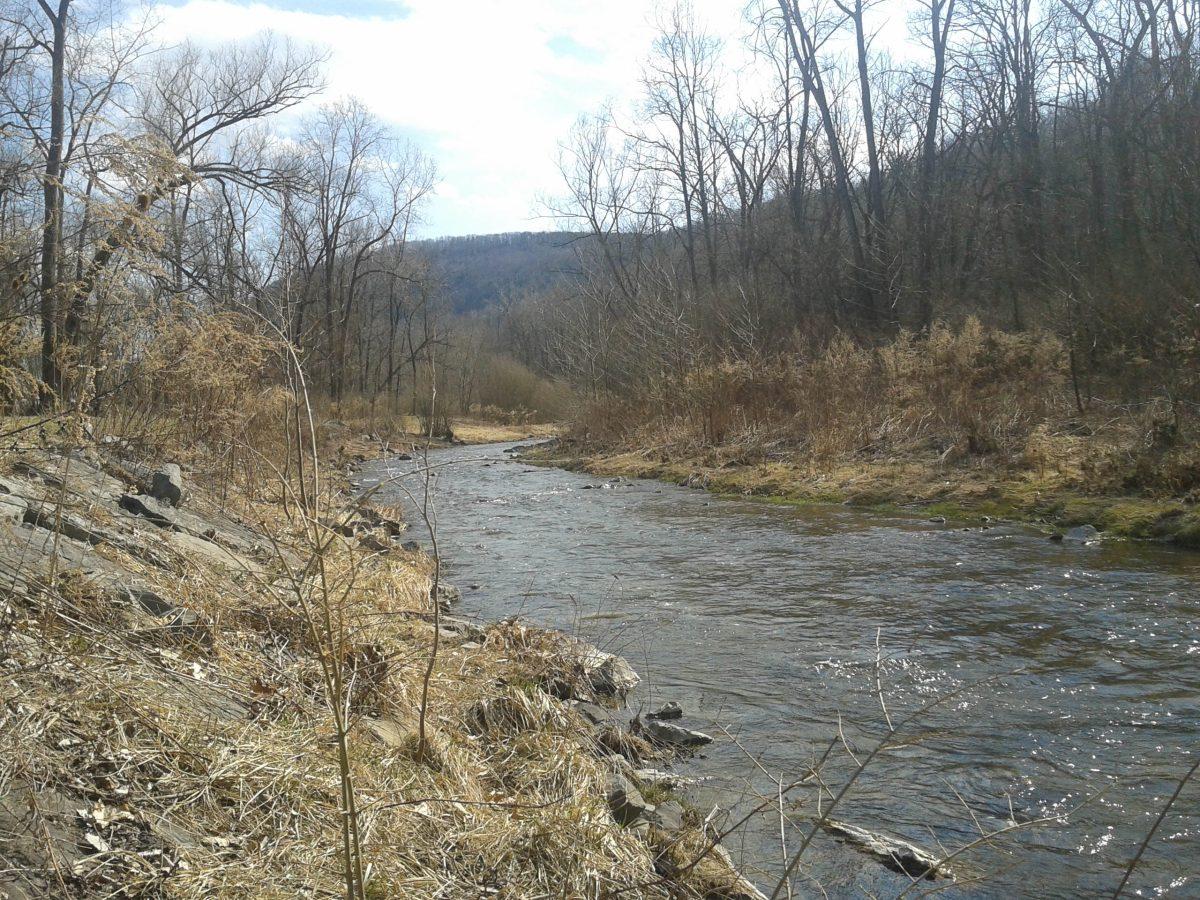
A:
x,y
938,520
630,809
671,710
896,854
625,801
404,457
668,816
148,508
672,735
667,779
447,595
411,547
13,508
1082,534
166,484
151,602
593,712
607,673
183,627
374,543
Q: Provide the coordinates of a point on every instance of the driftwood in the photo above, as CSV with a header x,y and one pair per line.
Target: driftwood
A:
x,y
898,855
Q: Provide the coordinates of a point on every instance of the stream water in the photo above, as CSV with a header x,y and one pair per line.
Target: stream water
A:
x,y
1069,674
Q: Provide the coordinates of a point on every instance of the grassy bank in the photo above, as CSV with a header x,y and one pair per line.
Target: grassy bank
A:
x,y
919,485
192,692
962,422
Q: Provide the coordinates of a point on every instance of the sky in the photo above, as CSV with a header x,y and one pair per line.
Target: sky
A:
x,y
487,88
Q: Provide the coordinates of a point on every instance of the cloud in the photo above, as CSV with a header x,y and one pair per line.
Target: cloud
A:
x,y
488,88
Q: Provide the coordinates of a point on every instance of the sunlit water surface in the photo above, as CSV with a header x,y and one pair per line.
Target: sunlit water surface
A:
x,y
1077,668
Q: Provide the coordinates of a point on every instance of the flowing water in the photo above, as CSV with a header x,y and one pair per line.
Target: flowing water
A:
x,y
763,621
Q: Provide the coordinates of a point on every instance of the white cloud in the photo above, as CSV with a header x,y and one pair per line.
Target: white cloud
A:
x,y
486,87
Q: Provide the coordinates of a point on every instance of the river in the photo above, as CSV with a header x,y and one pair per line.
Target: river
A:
x,y
1069,674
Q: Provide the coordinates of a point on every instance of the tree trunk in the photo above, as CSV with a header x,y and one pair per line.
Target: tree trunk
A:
x,y
52,199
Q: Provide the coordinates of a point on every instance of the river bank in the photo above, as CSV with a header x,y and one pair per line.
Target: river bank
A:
x,y
1063,670
169,725
969,493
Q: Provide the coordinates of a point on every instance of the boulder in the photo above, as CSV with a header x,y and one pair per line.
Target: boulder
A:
x,y
896,854
671,710
166,484
607,673
628,806
148,508
1082,534
672,735
667,816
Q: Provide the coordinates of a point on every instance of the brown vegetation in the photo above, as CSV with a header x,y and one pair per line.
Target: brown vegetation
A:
x,y
957,421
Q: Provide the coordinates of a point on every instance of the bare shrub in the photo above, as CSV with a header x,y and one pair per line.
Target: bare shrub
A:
x,y
973,389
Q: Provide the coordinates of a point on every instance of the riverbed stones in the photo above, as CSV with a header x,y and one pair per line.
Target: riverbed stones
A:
x,y
608,674
895,853
666,734
670,710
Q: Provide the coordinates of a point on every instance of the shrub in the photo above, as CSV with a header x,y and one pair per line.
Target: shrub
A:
x,y
971,389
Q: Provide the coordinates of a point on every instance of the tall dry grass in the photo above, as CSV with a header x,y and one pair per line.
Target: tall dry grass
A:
x,y
966,390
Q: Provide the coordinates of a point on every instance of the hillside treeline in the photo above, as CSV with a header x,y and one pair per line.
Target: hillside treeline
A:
x,y
1031,166
198,209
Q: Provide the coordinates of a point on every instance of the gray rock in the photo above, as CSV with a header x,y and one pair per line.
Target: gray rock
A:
x,y
607,673
152,602
13,508
166,484
668,816
1082,534
671,710
896,854
673,735
373,542
447,595
938,520
626,802
148,508
593,712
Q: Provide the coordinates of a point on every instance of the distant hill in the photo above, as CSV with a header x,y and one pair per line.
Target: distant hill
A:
x,y
479,270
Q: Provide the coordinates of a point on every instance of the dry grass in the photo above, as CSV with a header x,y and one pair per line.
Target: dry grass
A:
x,y
962,423
209,768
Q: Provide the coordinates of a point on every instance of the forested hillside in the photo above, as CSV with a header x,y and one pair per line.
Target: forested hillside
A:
x,y
987,252
478,271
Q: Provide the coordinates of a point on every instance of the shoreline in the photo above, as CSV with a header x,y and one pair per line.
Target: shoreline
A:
x,y
911,486
181,616
670,825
